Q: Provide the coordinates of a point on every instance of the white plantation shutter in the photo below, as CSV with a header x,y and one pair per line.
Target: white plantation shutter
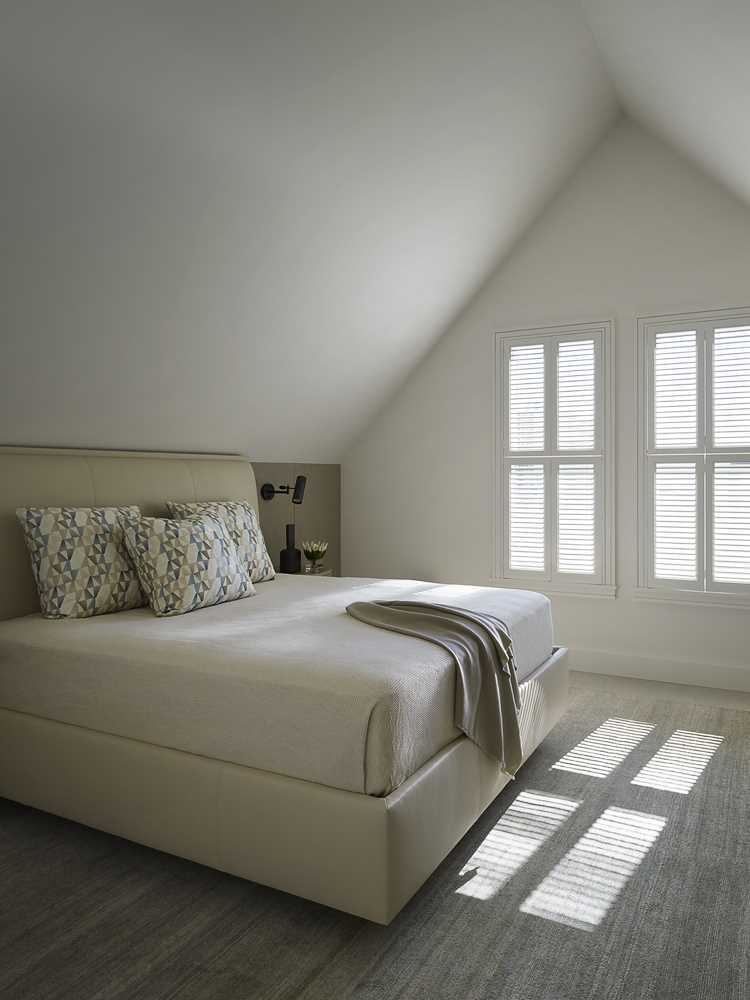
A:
x,y
555,484
576,395
675,521
576,519
731,522
675,390
527,520
695,455
527,397
731,388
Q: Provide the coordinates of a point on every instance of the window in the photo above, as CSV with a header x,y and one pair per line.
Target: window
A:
x,y
694,482
554,470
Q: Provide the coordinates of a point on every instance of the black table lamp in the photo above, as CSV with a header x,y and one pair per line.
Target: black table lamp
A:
x,y
290,559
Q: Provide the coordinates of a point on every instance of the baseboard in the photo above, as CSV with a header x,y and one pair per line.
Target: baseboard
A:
x,y
599,661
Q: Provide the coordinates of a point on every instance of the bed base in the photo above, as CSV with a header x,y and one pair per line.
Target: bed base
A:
x,y
355,852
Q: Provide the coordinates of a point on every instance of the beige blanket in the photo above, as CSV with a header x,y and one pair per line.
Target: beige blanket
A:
x,y
487,696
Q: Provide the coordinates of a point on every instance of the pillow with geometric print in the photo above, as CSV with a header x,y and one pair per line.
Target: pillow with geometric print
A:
x,y
187,564
79,560
242,521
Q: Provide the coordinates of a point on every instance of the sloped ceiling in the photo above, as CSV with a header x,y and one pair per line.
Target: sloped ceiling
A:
x,y
681,67
236,227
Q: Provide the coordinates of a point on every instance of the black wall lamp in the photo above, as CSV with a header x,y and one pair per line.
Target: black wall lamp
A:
x,y
290,558
268,491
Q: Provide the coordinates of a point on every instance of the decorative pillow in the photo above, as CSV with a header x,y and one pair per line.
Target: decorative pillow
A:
x,y
79,560
185,565
244,528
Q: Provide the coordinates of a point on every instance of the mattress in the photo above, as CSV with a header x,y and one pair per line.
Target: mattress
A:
x,y
284,681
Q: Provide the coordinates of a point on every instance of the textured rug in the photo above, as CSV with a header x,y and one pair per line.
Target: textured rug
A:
x,y
617,867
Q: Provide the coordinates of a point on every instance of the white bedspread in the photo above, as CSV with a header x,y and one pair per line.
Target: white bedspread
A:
x,y
284,681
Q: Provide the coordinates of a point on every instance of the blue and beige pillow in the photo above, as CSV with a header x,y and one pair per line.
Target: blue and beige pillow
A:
x,y
244,528
79,560
186,564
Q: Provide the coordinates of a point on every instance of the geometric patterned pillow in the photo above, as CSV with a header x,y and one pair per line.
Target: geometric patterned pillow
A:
x,y
185,565
79,560
244,528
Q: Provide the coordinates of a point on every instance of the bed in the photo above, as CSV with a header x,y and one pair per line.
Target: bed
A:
x,y
275,737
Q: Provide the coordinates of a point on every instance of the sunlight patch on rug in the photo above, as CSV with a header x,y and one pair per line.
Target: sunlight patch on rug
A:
x,y
582,887
530,820
605,749
680,762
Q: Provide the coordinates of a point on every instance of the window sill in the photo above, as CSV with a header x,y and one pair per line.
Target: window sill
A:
x,y
701,598
557,589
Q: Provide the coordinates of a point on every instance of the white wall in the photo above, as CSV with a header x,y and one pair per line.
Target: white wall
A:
x,y
637,231
208,210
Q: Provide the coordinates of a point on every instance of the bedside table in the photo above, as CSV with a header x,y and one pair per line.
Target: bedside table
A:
x,y
325,572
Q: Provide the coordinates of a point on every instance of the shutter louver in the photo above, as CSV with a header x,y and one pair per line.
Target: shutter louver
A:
x,y
576,395
526,522
553,430
576,517
675,521
527,397
695,460
731,522
731,387
675,390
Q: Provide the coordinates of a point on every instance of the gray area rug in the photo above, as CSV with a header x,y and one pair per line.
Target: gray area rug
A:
x,y
576,883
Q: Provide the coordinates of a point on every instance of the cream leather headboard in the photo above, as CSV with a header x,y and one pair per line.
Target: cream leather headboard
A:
x,y
47,477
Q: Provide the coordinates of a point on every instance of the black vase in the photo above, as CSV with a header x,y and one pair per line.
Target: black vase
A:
x,y
290,559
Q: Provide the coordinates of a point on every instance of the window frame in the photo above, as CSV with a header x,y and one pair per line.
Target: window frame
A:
x,y
704,590
602,457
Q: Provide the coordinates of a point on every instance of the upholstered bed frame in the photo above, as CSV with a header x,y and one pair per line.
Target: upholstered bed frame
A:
x,y
356,852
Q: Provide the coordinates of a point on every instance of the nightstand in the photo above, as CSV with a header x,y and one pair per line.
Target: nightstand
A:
x,y
325,572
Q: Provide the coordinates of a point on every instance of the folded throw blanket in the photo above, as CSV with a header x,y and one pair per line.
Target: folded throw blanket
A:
x,y
487,695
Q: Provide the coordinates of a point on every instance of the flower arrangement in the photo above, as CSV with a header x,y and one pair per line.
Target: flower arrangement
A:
x,y
314,552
